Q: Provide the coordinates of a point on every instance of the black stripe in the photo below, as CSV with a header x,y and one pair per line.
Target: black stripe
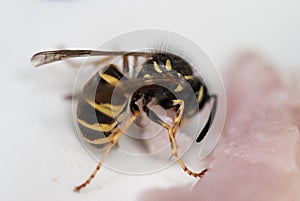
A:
x,y
99,90
113,71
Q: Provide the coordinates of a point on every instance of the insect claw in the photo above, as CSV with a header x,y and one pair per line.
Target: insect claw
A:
x,y
76,189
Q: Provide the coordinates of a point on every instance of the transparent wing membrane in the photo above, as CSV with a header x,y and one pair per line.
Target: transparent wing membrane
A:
x,y
47,57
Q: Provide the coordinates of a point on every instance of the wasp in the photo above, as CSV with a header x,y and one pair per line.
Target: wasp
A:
x,y
162,74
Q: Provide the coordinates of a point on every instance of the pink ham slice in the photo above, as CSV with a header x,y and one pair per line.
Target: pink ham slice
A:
x,y
258,156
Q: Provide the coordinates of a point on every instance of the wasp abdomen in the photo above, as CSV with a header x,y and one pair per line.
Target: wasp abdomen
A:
x,y
97,116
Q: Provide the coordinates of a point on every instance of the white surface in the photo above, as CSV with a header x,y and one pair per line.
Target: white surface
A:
x,y
41,156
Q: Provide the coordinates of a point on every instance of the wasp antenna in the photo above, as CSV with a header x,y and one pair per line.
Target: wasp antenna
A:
x,y
75,96
68,97
209,121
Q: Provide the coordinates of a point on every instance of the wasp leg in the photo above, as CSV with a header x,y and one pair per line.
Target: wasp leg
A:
x,y
171,133
179,161
179,113
130,62
178,105
125,63
177,121
113,142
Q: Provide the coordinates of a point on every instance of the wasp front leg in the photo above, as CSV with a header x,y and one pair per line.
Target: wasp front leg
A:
x,y
178,105
179,113
171,132
180,162
176,122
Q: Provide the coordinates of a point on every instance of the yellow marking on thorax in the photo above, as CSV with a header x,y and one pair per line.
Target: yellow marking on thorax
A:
x,y
200,94
156,67
188,77
109,79
168,65
147,76
98,127
149,81
179,88
106,108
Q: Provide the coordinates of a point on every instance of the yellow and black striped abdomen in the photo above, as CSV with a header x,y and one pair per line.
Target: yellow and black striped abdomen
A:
x,y
97,116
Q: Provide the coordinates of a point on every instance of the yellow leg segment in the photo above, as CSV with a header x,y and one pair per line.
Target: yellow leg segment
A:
x,y
113,142
172,132
178,118
179,161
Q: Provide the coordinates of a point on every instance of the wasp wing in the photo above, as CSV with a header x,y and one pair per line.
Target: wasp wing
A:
x,y
47,57
128,86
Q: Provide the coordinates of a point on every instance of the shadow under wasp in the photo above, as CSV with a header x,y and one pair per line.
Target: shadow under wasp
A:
x,y
161,74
